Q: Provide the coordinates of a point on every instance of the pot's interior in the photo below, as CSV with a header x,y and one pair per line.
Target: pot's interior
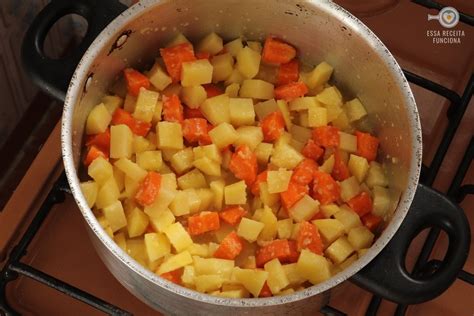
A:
x,y
320,31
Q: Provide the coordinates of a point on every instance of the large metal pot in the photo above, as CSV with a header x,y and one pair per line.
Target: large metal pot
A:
x,y
321,31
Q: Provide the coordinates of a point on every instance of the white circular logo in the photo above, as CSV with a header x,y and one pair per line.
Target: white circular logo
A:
x,y
448,17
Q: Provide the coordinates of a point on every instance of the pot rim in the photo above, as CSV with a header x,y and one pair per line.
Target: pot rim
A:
x,y
74,94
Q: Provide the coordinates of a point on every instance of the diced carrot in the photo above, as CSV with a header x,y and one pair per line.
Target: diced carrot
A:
x,y
371,221
262,177
273,125
288,72
172,109
101,140
303,173
203,222
265,291
276,51
150,229
203,55
318,215
93,153
232,215
293,194
138,127
294,253
361,203
325,189
326,136
135,80
230,247
243,164
367,145
291,91
148,188
173,276
212,90
312,150
194,129
175,56
308,238
340,171
192,113
278,248
205,139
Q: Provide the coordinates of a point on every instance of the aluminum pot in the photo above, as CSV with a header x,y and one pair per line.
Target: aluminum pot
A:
x,y
321,30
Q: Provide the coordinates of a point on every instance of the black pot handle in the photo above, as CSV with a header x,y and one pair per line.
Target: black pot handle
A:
x,y
386,275
53,75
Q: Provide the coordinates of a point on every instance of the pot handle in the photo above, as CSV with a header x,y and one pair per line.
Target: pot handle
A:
x,y
386,275
53,75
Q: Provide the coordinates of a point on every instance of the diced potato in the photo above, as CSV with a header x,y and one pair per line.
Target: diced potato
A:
x,y
105,225
196,72
238,293
208,166
161,220
268,198
313,267
256,89
255,45
270,221
342,122
121,141
234,47
248,62
169,135
376,176
328,165
150,160
381,201
277,279
157,245
98,120
223,135
108,193
251,136
193,200
283,106
263,152
131,187
302,104
278,180
174,88
348,218
129,103
121,241
208,283
235,194
210,151
222,267
211,44
162,201
216,109
131,169
175,262
249,229
299,133
141,144
232,91
178,236
89,190
262,109
292,274
358,166
329,210
349,188
145,106
319,76
330,95
329,229
348,262
360,237
115,216
235,77
285,156
284,228
303,119
206,197
362,252
355,110
223,65
241,111
201,250
348,142
253,280
112,102
317,116
158,77
333,111
194,179
304,209
179,39
188,275
137,222
136,249
217,188
296,145
339,250
193,96
284,139
180,205
119,177
182,161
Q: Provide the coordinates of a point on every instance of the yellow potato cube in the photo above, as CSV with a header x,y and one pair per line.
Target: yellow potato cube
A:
x,y
193,96
251,136
179,39
121,241
175,262
141,144
167,154
89,190
349,188
210,151
206,197
381,201
292,274
361,252
263,152
269,219
249,229
278,180
137,222
196,72
355,110
178,236
235,77
239,293
208,166
194,179
342,122
304,209
180,205
262,109
348,142
121,141
313,267
158,77
145,106
296,145
108,193
115,216
376,176
223,135
248,62
339,250
252,279
156,117
317,116
131,187
98,120
194,200
223,65
217,188
256,89
348,262
182,161
208,283
119,177
329,229
169,135
328,165
157,245
284,228
129,103
150,160
236,193
234,47
211,44
255,45
161,220
131,169
241,111
268,198
285,156
216,109
319,76
277,279
330,95
348,218
213,266
136,249
302,104
188,275
360,237
201,250
358,166
283,106
232,90
112,102
303,119
329,210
